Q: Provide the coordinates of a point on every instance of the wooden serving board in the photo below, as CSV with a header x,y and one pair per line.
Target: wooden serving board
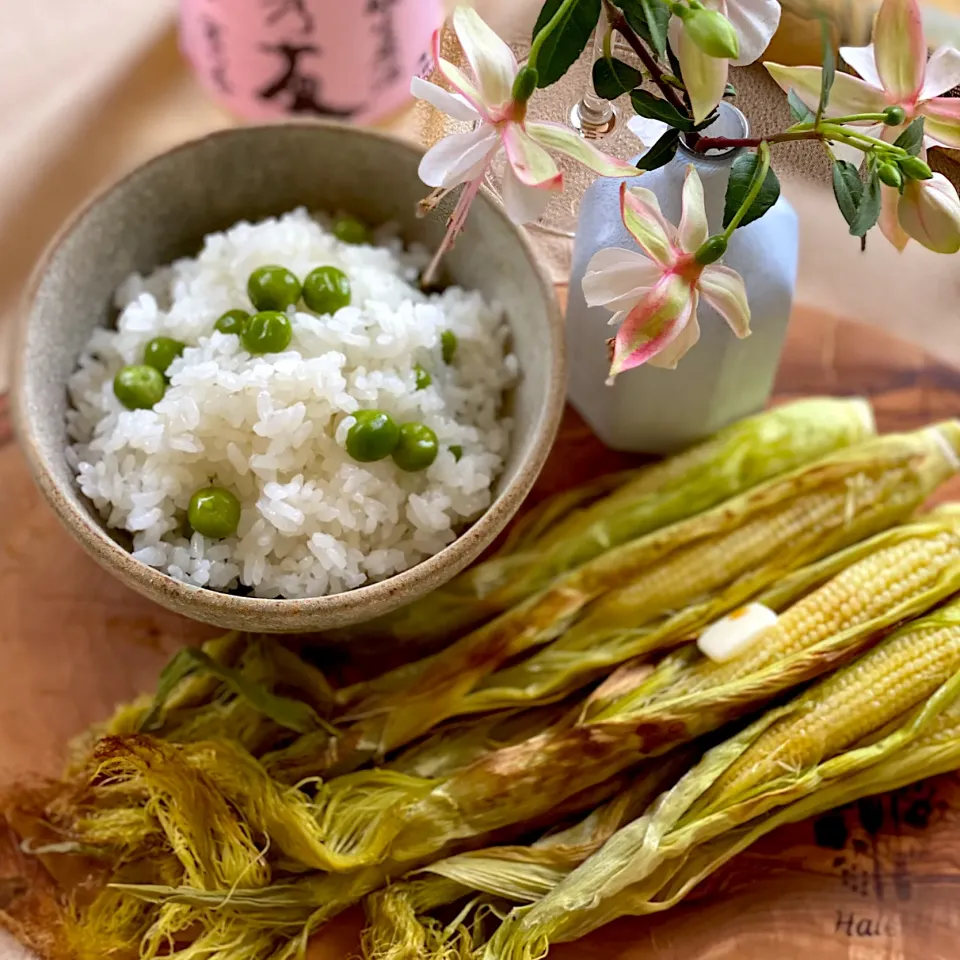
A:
x,y
877,880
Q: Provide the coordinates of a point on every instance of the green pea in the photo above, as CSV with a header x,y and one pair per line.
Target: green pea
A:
x,y
267,332
422,377
160,352
326,290
273,288
214,512
350,230
373,436
457,451
448,346
233,321
417,447
139,387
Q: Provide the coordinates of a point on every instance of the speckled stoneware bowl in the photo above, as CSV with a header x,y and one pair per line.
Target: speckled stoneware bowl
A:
x,y
162,211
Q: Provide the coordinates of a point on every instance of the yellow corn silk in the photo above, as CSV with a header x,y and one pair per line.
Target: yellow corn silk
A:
x,y
576,526
643,596
890,718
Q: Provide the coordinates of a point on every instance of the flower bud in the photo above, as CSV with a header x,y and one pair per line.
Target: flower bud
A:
x,y
894,116
524,84
890,174
711,250
915,169
711,31
929,211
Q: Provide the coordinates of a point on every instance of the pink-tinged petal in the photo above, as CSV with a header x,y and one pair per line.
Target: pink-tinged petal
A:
x,y
888,220
756,22
724,290
705,76
523,203
530,162
942,121
617,278
647,131
493,62
900,49
863,60
929,211
942,74
452,104
849,95
693,228
686,340
641,215
566,140
652,324
458,157
457,79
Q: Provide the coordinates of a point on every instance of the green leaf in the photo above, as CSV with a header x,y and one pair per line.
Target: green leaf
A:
x,y
661,152
741,179
613,78
656,108
847,188
799,111
567,39
180,666
648,19
911,139
868,209
829,66
729,90
284,711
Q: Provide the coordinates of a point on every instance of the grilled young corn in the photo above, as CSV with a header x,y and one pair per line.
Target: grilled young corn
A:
x,y
653,593
891,717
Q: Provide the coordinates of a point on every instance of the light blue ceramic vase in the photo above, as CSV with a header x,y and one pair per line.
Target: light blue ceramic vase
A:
x,y
721,379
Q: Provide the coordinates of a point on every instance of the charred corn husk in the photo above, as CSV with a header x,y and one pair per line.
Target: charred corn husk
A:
x,y
654,592
399,925
890,718
569,530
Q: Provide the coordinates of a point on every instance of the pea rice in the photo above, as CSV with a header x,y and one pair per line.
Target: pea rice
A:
x,y
272,428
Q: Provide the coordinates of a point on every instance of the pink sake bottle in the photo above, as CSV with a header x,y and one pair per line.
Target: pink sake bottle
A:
x,y
343,59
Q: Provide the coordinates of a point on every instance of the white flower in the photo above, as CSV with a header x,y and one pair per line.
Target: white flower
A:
x,y
654,294
531,176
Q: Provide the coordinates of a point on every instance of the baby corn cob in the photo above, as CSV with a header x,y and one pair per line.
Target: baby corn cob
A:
x,y
891,717
712,562
738,457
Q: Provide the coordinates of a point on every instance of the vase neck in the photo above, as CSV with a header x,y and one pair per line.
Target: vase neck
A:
x,y
730,123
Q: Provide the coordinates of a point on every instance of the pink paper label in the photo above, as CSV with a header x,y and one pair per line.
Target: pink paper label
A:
x,y
343,59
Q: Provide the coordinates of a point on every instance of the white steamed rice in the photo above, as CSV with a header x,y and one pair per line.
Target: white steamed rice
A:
x,y
272,428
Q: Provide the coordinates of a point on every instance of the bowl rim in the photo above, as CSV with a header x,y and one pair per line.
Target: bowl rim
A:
x,y
257,612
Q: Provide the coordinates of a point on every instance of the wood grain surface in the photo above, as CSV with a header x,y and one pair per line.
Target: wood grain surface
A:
x,y
877,881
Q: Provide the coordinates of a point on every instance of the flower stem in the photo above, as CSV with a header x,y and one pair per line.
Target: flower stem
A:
x,y
759,175
618,22
825,130
703,144
546,30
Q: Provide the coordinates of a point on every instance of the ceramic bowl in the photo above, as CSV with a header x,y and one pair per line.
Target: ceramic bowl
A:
x,y
160,212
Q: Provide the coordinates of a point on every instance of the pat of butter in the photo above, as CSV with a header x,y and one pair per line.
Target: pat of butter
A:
x,y
731,635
